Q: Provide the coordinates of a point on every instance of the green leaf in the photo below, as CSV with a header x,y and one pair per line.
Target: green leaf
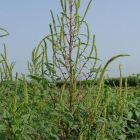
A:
x,y
25,117
83,35
93,58
122,137
95,70
58,79
2,127
61,62
69,59
137,113
5,31
26,137
82,43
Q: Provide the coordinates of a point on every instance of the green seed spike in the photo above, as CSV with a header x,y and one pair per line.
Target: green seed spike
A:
x,y
7,69
37,58
80,137
46,55
63,38
54,49
43,57
79,2
62,21
31,71
4,70
5,53
1,74
62,4
54,25
77,58
86,11
12,66
62,90
38,47
25,90
98,70
33,55
93,46
66,7
96,56
78,26
46,37
126,93
120,80
88,33
5,59
38,65
15,94
61,35
58,20
104,70
76,15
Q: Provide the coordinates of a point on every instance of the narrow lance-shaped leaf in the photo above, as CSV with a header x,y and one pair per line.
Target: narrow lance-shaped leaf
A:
x,y
3,57
2,29
61,62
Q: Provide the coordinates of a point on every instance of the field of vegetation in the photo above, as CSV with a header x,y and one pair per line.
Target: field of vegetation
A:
x,y
52,110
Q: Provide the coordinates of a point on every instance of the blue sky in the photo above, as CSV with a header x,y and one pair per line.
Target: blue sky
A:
x,y
116,24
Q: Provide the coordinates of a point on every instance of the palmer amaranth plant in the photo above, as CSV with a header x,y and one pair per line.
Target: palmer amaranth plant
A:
x,y
41,110
66,43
